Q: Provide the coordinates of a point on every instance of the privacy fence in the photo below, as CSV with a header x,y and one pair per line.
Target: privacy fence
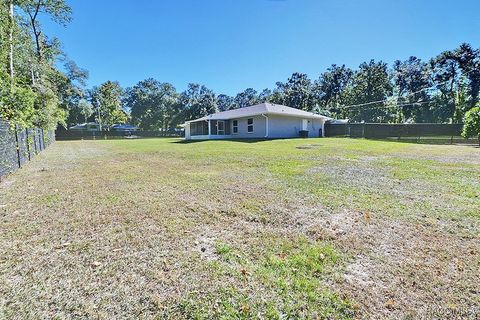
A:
x,y
383,130
18,145
97,135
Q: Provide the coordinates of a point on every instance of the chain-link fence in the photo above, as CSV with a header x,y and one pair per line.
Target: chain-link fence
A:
x,y
19,145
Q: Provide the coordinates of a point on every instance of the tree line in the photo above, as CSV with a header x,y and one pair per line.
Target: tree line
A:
x,y
441,90
34,91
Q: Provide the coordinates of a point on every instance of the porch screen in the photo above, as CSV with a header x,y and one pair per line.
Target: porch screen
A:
x,y
199,128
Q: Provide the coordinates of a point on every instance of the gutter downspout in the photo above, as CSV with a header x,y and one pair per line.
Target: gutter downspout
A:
x,y
266,125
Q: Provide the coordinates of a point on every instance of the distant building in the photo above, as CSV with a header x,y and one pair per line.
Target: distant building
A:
x,y
89,126
123,127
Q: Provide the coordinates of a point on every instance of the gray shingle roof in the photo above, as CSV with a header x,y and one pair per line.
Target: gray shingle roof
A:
x,y
263,108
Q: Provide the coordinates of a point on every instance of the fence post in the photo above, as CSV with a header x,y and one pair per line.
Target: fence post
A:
x,y
18,146
28,144
35,141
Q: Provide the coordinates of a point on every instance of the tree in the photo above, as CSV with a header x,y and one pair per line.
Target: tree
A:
x,y
298,92
197,101
37,93
58,10
471,125
278,94
468,60
108,100
329,89
411,77
265,96
247,98
225,102
154,105
370,83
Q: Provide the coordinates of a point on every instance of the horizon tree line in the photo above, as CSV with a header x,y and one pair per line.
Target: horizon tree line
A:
x,y
35,92
441,90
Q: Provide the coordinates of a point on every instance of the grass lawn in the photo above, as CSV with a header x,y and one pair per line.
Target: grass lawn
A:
x,y
317,228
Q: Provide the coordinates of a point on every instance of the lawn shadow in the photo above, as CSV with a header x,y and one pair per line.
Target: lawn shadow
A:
x,y
183,141
431,141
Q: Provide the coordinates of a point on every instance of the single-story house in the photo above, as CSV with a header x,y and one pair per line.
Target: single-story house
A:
x,y
264,120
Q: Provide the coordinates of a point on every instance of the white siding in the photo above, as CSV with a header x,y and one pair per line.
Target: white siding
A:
x,y
279,126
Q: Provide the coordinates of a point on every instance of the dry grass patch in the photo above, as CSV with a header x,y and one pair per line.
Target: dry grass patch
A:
x,y
272,229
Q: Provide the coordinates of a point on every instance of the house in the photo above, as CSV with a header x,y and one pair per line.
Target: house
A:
x,y
264,120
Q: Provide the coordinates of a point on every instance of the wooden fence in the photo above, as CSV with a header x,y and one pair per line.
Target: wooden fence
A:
x,y
384,130
18,145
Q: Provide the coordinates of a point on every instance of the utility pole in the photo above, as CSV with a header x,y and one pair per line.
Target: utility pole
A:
x,y
12,21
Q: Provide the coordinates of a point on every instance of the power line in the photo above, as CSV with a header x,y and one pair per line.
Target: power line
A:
x,y
396,105
432,87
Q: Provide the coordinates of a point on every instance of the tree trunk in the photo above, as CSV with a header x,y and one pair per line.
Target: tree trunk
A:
x,y
37,33
12,21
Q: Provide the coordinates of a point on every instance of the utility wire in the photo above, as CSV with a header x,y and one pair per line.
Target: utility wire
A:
x,y
432,87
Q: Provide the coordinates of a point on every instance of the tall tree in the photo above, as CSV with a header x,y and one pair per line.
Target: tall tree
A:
x,y
11,27
225,102
153,105
107,98
58,10
411,77
468,60
298,92
247,98
265,96
197,101
370,83
329,89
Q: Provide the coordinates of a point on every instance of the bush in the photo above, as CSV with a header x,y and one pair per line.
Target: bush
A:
x,y
17,104
471,125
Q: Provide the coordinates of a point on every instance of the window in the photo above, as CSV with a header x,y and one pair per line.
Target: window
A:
x,y
235,126
250,125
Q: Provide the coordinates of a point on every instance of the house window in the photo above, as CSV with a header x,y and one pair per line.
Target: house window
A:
x,y
235,126
250,125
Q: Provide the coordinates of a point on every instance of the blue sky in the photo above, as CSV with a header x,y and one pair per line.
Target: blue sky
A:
x,y
230,45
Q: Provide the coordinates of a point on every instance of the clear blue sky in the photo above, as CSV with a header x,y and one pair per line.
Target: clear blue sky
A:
x,y
230,45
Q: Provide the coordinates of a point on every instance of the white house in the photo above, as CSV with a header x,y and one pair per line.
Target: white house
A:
x,y
264,120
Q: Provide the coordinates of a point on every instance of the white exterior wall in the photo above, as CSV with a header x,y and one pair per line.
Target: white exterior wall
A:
x,y
278,127
259,128
289,127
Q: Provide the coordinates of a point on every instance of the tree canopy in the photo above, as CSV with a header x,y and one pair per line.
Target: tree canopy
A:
x,y
35,91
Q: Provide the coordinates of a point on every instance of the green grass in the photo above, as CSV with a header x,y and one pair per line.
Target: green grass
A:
x,y
291,271
317,228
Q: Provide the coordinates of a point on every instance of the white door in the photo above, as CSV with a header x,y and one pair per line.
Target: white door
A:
x,y
304,124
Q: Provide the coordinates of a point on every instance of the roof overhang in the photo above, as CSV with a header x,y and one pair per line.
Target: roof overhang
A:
x,y
219,117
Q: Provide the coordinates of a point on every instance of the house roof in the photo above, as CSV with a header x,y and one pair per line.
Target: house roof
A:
x,y
263,108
